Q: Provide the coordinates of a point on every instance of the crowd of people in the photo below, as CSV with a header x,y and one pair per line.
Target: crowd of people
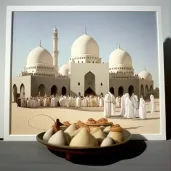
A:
x,y
63,101
131,106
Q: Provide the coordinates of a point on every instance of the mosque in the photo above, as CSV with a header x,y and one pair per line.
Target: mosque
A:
x,y
84,74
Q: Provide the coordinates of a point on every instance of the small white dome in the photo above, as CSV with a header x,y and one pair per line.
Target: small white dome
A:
x,y
84,46
64,70
39,56
145,75
120,58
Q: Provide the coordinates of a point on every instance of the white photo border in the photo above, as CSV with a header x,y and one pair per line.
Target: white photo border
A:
x,y
8,64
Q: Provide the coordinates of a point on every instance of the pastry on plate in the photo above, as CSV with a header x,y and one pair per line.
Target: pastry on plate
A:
x,y
91,121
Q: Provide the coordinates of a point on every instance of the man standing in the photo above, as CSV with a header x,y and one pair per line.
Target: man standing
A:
x,y
113,103
152,103
107,105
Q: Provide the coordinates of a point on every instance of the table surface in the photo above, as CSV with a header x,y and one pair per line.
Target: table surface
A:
x,y
139,156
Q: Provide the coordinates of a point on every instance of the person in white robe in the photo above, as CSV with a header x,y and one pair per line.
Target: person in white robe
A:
x,y
113,103
34,103
152,103
61,99
136,106
22,102
117,101
96,101
78,102
92,102
45,102
82,102
52,103
39,102
125,97
101,102
98,98
66,101
129,112
142,108
69,101
74,102
56,101
28,103
88,100
85,102
122,111
107,105
119,98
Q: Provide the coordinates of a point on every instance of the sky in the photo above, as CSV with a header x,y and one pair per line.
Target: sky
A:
x,y
135,32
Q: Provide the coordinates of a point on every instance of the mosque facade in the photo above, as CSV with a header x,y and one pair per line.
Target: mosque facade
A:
x,y
84,74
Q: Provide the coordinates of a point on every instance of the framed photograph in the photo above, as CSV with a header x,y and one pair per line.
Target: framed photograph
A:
x,y
84,63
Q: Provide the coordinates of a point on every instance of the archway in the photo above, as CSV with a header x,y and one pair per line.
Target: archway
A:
x,y
89,83
112,90
89,92
142,90
22,91
63,91
14,93
120,91
54,90
130,90
151,88
41,90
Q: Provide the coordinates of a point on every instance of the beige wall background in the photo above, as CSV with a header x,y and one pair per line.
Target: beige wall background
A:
x,y
166,23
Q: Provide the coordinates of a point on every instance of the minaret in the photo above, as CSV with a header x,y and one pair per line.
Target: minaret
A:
x,y
55,48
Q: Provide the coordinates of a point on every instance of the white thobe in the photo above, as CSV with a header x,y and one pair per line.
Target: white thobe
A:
x,y
142,109
152,103
78,102
29,103
117,101
107,106
113,103
101,102
122,112
129,112
52,103
136,109
22,103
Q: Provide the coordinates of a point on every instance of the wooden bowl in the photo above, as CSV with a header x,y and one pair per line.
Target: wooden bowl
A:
x,y
68,151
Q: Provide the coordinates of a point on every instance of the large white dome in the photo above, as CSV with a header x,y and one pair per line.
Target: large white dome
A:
x,y
84,46
64,70
39,56
145,75
120,58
